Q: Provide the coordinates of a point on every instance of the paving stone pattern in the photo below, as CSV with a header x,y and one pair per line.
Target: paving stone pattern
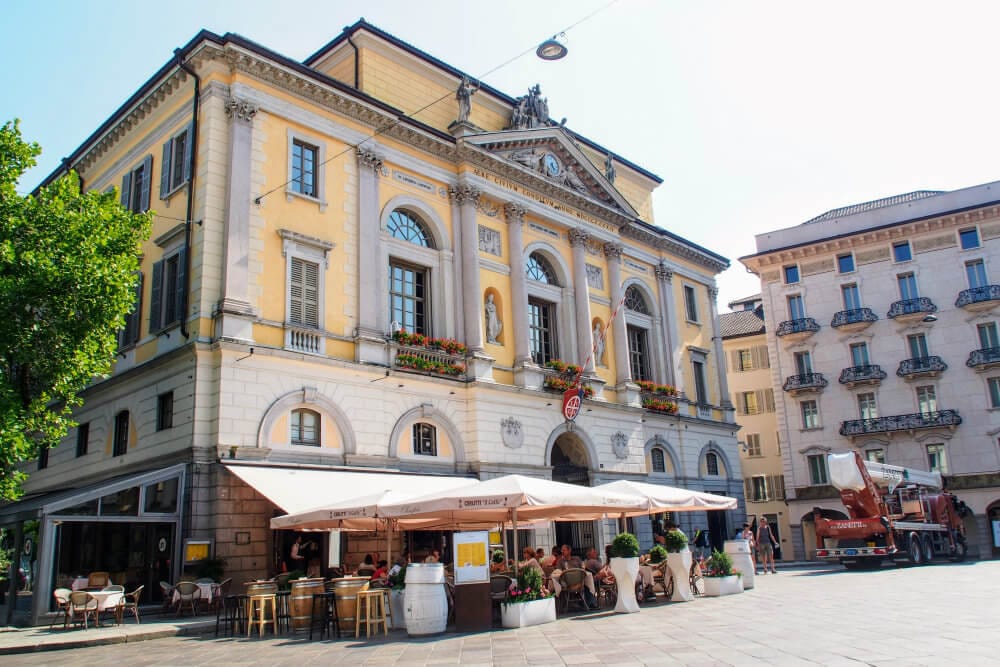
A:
x,y
940,614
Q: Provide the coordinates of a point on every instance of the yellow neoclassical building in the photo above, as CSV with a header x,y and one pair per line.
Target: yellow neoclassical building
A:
x,y
366,268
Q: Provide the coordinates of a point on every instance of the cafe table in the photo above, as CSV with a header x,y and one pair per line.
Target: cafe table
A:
x,y
106,601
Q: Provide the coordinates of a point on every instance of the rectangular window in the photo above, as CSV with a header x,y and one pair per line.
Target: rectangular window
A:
x,y
988,335
994,385
541,332
120,443
907,286
43,457
791,274
175,170
803,363
926,400
407,297
749,359
306,427
304,168
424,439
638,353
859,354
135,186
701,391
746,360
749,402
852,297
128,335
759,488
936,461
975,271
690,303
753,444
167,292
165,411
817,469
867,409
82,438
303,293
901,251
876,455
968,238
845,263
796,308
810,414
918,345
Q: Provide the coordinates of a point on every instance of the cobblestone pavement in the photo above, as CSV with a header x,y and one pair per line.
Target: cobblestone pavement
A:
x,y
932,615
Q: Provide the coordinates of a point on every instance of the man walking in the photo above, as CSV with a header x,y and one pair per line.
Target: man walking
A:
x,y
765,545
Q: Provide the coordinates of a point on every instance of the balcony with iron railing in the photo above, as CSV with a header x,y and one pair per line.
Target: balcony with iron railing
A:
x,y
910,422
911,310
987,357
799,329
805,383
865,374
921,366
855,319
979,298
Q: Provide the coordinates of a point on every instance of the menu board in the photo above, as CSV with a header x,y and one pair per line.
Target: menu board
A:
x,y
471,560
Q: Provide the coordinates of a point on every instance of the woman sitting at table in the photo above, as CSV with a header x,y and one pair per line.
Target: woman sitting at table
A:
x,y
529,560
367,568
382,571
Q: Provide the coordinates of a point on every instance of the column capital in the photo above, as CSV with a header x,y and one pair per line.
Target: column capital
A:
x,y
241,109
464,194
663,273
578,237
514,213
370,159
713,292
613,250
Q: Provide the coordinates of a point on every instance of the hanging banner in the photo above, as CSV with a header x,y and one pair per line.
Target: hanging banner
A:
x,y
572,400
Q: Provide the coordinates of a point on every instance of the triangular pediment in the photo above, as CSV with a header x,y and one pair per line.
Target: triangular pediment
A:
x,y
549,153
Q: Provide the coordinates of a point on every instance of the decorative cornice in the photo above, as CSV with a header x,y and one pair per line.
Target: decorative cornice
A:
x,y
613,250
578,237
514,213
240,109
370,159
634,231
464,194
663,273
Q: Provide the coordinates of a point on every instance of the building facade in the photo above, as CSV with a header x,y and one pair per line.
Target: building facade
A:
x,y
744,342
881,325
363,262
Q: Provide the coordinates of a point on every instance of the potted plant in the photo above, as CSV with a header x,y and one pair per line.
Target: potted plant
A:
x,y
527,602
719,577
657,555
625,568
679,564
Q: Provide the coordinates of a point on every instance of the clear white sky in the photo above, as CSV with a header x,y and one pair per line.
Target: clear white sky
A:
x,y
757,115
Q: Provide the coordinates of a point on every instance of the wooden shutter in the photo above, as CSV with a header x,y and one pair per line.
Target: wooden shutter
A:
x,y
760,358
147,178
303,293
748,489
127,189
179,293
168,149
734,361
768,400
741,407
156,297
776,487
130,332
188,148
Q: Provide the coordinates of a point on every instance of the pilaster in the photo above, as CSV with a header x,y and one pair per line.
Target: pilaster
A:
x,y
623,374
671,332
526,373
720,360
581,295
372,323
480,364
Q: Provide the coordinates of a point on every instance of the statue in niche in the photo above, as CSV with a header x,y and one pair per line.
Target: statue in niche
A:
x,y
493,324
464,96
598,345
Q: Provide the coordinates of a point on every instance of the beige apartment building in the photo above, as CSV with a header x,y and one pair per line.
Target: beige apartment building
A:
x,y
882,332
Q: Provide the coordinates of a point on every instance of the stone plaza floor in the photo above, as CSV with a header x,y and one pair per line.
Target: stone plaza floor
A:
x,y
944,614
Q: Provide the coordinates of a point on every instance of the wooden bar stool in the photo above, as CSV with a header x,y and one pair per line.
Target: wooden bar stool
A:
x,y
387,605
259,597
370,610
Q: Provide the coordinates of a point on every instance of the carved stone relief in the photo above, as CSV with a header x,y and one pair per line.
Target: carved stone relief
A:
x,y
489,241
619,444
511,432
595,277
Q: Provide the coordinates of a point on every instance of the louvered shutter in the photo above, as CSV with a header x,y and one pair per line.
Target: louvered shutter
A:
x,y
179,293
777,484
769,400
156,298
127,189
295,292
748,488
188,148
741,408
764,361
168,148
310,294
734,361
147,177
132,320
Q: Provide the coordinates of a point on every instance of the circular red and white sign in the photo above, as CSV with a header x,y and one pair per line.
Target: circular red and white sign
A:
x,y
571,404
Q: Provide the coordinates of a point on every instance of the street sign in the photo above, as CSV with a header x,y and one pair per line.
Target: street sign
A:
x,y
571,403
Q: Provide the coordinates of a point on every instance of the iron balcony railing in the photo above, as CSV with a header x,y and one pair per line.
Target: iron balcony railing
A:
x,y
900,422
977,295
853,316
911,307
865,373
918,365
987,355
804,381
801,325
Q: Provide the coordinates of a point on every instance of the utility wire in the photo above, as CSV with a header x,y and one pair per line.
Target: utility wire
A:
x,y
392,123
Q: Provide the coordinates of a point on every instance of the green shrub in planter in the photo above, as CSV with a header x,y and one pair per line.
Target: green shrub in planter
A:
x,y
675,540
657,554
624,546
720,564
498,556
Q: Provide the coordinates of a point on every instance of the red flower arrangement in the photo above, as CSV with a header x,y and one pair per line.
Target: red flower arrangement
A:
x,y
659,405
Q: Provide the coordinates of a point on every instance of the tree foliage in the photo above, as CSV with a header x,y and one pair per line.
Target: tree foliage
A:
x,y
68,270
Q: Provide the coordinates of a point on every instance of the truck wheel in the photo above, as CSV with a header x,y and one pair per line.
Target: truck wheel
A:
x,y
961,549
928,549
915,553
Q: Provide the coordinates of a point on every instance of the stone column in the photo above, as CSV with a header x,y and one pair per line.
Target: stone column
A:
x,y
481,365
720,360
235,318
526,372
623,369
668,321
581,293
373,287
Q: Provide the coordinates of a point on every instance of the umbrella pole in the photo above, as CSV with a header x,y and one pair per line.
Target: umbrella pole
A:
x,y
513,521
621,522
388,541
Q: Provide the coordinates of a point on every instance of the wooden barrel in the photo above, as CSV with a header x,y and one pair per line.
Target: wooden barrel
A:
x,y
261,588
300,602
425,602
346,592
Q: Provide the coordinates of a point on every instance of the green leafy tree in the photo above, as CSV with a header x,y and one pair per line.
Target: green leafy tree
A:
x,y
68,270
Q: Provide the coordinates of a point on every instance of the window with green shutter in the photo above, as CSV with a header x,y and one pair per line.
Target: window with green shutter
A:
x,y
135,186
166,305
175,169
303,293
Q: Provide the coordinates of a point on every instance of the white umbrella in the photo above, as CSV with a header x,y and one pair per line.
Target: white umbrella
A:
x,y
662,498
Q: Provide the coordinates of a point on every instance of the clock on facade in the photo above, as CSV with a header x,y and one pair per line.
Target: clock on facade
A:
x,y
551,164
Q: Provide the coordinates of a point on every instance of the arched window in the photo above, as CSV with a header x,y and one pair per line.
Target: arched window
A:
x,y
407,227
712,464
635,301
539,269
657,460
305,427
424,439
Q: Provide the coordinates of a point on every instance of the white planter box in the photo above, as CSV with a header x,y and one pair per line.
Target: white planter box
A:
x,y
523,614
625,570
679,564
716,586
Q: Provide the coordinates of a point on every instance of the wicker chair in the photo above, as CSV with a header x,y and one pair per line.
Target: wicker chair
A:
x,y
130,603
188,594
574,583
82,605
98,579
167,590
62,605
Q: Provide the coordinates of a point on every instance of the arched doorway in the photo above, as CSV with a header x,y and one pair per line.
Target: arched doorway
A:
x,y
570,463
808,546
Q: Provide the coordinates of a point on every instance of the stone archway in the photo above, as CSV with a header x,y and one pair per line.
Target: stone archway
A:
x,y
806,548
570,461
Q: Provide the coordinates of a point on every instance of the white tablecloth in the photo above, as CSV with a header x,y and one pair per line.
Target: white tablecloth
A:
x,y
81,582
107,600
206,592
